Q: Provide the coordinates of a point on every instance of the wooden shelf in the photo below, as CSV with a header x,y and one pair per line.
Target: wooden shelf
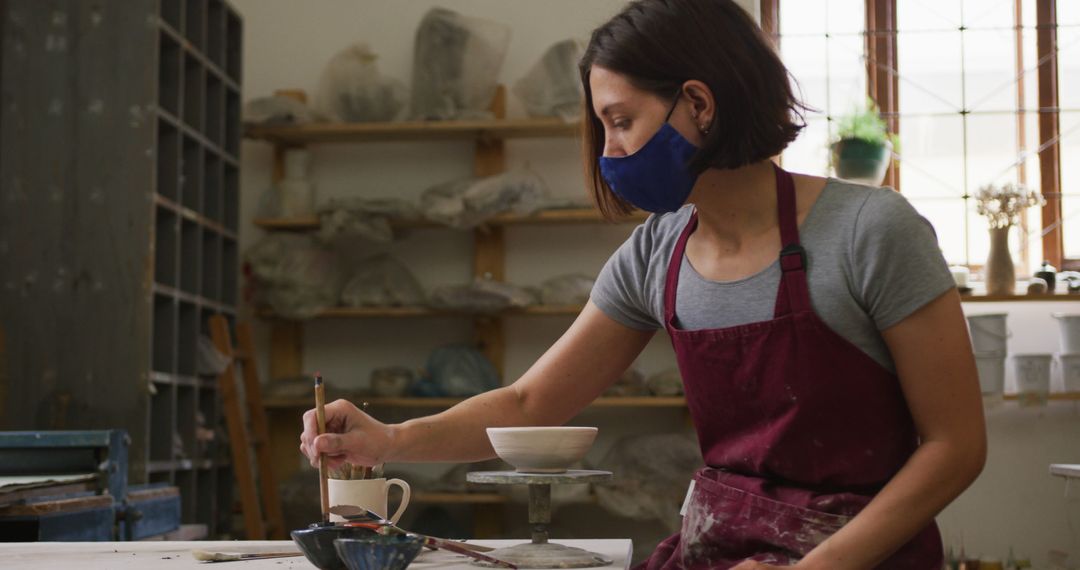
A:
x,y
425,312
494,129
1053,397
194,216
545,217
459,498
405,402
167,291
1067,471
973,298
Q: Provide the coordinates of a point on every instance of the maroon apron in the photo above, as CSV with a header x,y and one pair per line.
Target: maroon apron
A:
x,y
798,427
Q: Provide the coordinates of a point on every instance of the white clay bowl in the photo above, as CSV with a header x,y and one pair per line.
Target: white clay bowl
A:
x,y
541,449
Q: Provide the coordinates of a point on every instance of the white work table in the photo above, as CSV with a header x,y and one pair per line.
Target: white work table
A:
x,y
177,555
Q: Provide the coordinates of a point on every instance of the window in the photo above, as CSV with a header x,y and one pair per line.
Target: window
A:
x,y
963,83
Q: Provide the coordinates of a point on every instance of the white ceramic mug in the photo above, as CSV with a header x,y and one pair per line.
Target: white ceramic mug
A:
x,y
370,494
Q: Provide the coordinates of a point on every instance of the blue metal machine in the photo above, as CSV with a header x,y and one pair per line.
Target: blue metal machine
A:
x,y
90,498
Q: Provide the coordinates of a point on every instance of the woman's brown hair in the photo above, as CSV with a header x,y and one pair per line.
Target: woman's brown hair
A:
x,y
658,45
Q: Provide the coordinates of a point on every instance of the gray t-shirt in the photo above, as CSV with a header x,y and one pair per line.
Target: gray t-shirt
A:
x,y
873,260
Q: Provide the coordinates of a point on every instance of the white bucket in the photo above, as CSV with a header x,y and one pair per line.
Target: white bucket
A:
x,y
1032,378
991,367
1070,332
1070,371
988,332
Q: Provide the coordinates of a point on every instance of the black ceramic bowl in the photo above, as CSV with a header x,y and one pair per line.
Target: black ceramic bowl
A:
x,y
317,543
379,552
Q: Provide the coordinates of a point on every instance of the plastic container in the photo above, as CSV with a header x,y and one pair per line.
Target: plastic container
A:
x,y
991,367
1069,364
989,333
1070,332
1032,378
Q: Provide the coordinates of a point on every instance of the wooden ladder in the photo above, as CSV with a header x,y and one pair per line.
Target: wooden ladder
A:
x,y
256,526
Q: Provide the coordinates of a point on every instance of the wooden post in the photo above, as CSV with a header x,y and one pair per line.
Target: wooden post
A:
x,y
1049,132
489,257
286,337
883,80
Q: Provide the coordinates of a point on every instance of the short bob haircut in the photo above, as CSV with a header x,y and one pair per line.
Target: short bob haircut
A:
x,y
658,45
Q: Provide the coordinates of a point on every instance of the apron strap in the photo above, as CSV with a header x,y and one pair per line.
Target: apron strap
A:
x,y
794,293
671,283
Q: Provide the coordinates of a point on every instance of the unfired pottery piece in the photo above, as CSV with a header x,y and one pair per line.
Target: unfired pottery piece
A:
x,y
541,449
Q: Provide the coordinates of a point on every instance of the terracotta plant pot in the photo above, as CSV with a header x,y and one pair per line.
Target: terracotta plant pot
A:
x,y
861,161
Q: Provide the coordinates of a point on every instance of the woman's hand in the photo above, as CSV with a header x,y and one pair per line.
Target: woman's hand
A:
x,y
351,435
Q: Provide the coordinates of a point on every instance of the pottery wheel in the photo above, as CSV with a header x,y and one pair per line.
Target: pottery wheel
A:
x,y
540,553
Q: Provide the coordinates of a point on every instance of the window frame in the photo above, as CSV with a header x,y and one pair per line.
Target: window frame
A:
x,y
882,77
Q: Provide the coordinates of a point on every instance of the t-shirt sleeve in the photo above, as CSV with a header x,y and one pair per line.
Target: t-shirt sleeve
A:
x,y
620,291
897,263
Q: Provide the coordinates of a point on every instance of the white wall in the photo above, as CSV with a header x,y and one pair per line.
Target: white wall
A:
x,y
286,45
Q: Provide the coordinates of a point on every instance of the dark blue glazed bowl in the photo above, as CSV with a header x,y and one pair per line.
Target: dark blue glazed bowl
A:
x,y
317,543
379,552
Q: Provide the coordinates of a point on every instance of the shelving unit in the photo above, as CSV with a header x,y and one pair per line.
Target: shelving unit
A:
x,y
488,260
196,209
135,239
488,136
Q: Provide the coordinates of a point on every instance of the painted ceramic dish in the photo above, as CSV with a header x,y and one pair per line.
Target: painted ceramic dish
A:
x,y
317,543
541,449
379,552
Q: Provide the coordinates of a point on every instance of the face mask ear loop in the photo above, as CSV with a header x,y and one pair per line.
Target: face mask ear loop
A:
x,y
673,104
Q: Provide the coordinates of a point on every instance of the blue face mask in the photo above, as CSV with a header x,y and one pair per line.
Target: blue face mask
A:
x,y
656,177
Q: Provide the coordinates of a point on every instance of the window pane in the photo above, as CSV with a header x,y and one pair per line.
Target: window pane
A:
x,y
1070,182
931,156
992,150
947,217
1070,209
978,232
1068,12
1030,176
847,74
990,70
982,14
1030,14
809,153
801,17
1069,68
929,72
912,15
1031,70
845,16
805,58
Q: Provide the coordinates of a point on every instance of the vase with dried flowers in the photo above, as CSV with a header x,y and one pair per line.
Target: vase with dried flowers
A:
x,y
1003,206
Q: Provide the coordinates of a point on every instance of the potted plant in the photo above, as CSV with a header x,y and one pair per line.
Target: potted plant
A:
x,y
1002,206
863,146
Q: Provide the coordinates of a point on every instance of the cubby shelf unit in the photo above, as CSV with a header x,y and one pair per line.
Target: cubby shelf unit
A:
x,y
196,252
128,132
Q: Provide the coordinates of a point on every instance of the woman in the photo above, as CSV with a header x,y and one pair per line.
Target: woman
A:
x,y
821,342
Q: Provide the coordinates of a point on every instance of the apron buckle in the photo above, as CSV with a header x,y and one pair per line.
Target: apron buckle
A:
x,y
793,249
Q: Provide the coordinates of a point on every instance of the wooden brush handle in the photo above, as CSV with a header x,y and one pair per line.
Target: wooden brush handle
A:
x,y
320,416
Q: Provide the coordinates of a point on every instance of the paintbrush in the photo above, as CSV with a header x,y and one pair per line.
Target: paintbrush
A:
x,y
320,415
207,556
